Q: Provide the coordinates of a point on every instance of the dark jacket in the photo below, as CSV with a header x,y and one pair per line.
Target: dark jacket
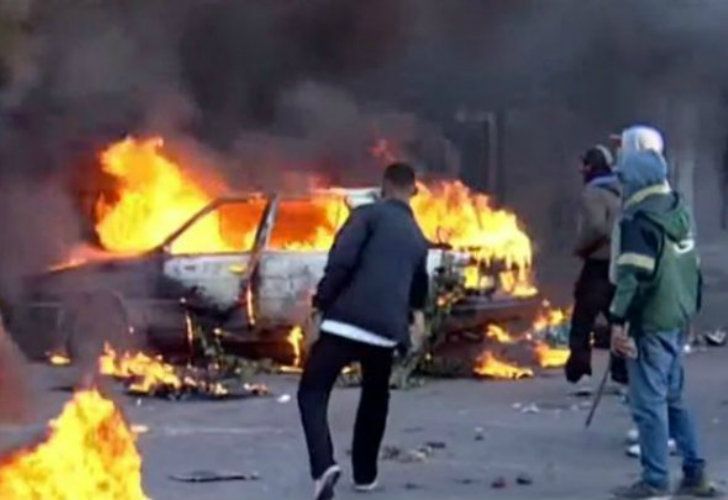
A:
x,y
377,271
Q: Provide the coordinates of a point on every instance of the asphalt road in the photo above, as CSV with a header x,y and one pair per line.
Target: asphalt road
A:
x,y
488,429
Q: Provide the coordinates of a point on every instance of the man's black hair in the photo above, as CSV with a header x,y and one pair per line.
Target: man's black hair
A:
x,y
595,158
400,175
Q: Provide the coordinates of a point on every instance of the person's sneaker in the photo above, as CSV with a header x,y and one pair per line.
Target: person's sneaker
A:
x,y
583,388
641,491
324,486
701,488
634,451
366,488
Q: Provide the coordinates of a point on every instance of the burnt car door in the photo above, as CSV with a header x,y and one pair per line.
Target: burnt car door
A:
x,y
295,258
212,258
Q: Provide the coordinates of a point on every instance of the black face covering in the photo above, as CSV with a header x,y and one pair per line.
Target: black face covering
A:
x,y
596,172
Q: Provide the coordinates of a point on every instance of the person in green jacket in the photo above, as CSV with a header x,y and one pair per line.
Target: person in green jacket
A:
x,y
656,270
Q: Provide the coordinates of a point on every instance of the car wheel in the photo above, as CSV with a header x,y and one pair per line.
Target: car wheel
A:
x,y
92,319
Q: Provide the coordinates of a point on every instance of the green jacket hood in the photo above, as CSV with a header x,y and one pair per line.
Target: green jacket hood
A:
x,y
670,213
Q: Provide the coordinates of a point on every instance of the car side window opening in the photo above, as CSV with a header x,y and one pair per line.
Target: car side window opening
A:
x,y
229,228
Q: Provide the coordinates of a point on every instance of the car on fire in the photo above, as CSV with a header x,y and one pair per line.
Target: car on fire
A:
x,y
252,289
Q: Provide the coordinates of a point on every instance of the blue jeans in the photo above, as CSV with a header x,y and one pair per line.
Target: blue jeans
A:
x,y
655,390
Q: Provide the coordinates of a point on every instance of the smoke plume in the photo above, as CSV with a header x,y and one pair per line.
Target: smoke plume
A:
x,y
266,93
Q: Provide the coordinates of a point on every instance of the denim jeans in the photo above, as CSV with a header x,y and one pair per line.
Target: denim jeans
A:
x,y
655,388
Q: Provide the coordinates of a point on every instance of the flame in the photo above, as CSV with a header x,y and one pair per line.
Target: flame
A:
x,y
295,339
449,212
550,357
90,454
148,374
499,334
489,366
550,317
145,371
58,359
155,195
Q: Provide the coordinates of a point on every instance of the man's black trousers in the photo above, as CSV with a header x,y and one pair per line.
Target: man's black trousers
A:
x,y
592,296
328,356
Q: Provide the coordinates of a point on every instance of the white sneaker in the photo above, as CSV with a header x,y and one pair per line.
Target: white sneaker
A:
x,y
583,388
366,488
324,486
634,451
633,435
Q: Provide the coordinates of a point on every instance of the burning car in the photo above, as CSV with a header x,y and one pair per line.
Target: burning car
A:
x,y
246,265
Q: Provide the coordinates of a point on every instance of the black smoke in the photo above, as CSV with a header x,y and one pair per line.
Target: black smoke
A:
x,y
264,87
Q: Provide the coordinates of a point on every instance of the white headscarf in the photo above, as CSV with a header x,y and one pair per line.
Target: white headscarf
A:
x,y
641,138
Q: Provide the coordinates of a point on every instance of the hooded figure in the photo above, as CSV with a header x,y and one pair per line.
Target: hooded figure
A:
x,y
598,211
655,268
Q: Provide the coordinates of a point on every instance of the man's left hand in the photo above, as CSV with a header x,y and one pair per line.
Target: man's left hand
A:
x,y
622,344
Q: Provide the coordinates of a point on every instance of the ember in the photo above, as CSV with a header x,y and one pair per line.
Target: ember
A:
x,y
58,359
491,367
90,454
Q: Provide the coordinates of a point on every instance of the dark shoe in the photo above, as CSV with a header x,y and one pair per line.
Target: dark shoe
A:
x,y
577,366
701,488
324,486
641,491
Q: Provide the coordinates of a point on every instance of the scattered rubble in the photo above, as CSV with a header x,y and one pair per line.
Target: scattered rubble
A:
x,y
415,455
206,476
524,479
499,483
479,434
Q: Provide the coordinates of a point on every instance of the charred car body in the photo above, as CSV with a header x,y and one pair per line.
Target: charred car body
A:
x,y
252,292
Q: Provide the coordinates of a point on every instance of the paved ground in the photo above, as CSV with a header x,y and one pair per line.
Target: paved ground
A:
x,y
263,436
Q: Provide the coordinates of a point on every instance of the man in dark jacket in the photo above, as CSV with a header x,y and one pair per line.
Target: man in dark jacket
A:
x,y
598,212
375,281
656,271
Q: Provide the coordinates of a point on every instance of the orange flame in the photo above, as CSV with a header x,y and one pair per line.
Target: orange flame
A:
x,y
550,317
90,454
155,196
499,334
148,374
295,339
489,366
449,212
145,372
551,357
